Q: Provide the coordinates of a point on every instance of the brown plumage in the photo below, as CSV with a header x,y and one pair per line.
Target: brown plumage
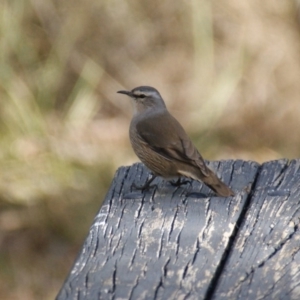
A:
x,y
162,144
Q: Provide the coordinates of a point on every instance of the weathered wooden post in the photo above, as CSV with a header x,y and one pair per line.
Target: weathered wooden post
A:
x,y
185,243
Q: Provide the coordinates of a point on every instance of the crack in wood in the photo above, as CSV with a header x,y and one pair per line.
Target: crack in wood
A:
x,y
178,244
173,224
196,251
219,270
161,243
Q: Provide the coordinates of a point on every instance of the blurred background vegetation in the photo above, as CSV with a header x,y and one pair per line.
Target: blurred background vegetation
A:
x,y
228,70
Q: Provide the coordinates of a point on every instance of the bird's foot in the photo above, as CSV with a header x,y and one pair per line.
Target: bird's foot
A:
x,y
178,182
146,186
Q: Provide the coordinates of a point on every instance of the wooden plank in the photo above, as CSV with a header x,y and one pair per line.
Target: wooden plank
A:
x,y
164,244
265,259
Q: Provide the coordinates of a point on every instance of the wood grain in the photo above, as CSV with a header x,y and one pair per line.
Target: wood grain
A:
x,y
165,243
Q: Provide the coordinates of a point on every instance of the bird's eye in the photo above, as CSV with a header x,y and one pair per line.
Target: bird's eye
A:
x,y
142,96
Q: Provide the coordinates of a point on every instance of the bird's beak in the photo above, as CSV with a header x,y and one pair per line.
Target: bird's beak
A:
x,y
128,93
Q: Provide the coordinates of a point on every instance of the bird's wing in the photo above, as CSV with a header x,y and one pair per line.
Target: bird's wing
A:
x,y
164,135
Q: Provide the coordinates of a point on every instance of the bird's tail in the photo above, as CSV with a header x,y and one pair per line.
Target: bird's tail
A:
x,y
219,187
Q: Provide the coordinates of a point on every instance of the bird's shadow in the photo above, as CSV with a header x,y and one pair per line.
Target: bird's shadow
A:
x,y
197,195
134,195
138,194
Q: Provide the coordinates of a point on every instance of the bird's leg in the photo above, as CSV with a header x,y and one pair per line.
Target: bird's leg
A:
x,y
147,185
178,182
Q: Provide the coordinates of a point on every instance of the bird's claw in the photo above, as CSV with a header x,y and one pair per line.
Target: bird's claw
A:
x,y
178,182
144,187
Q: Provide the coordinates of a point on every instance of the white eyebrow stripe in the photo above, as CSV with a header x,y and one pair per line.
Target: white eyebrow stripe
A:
x,y
146,93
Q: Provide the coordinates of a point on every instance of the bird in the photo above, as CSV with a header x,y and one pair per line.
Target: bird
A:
x,y
162,144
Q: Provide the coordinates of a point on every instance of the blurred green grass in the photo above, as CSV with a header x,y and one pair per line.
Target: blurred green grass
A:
x,y
229,72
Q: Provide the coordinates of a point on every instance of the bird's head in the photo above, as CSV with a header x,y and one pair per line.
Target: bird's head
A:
x,y
145,98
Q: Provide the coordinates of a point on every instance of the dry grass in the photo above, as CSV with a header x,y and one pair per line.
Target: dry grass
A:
x,y
228,70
